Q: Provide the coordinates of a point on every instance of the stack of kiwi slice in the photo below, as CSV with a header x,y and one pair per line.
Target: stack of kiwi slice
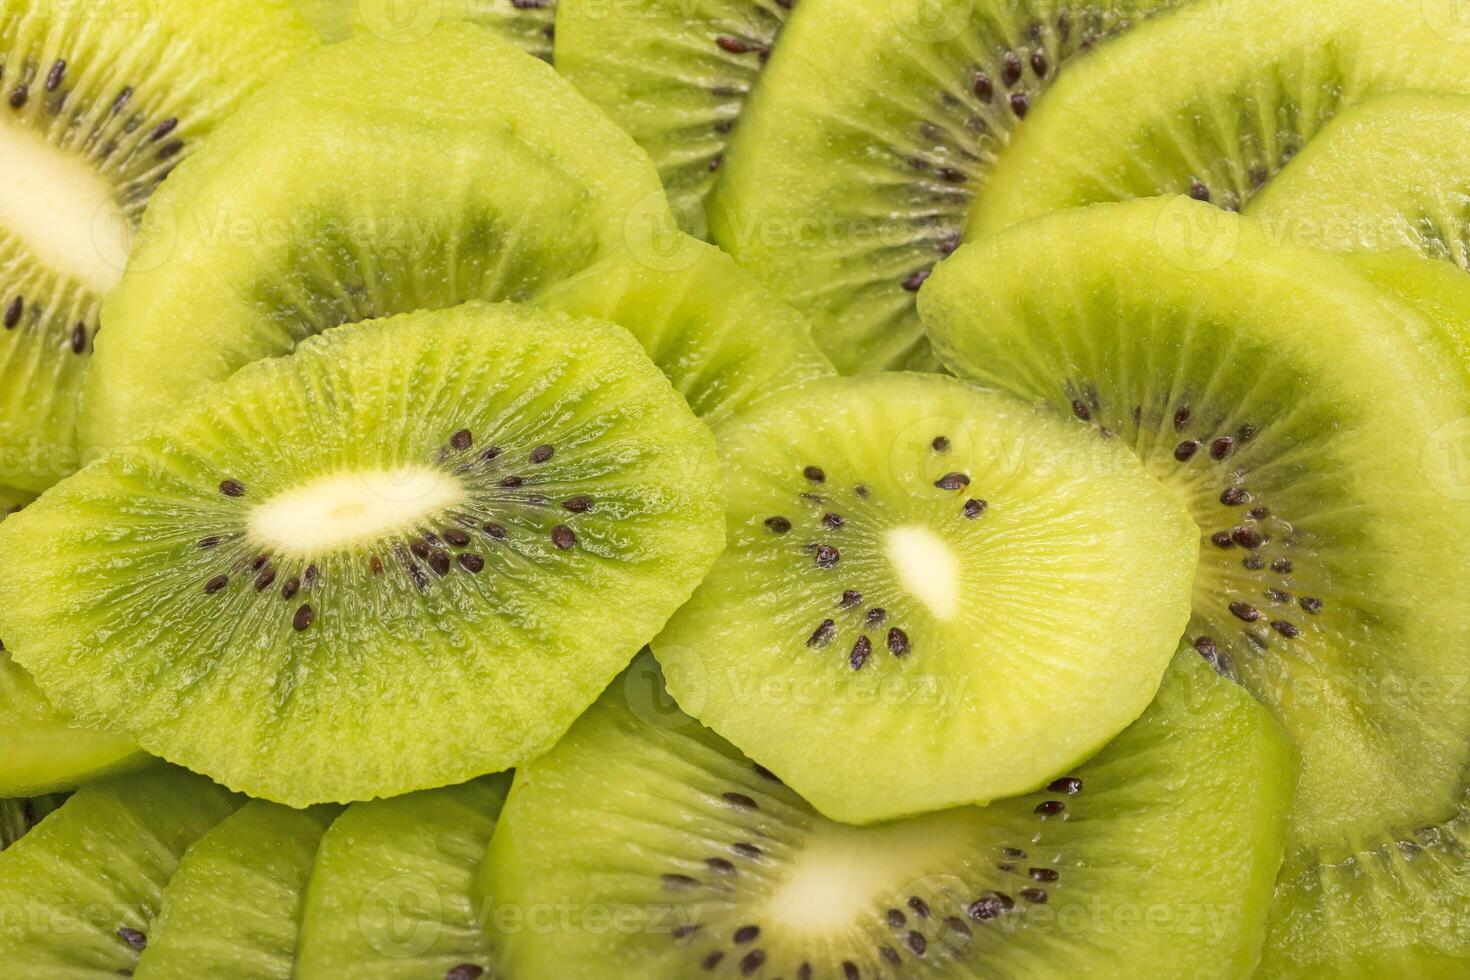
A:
x,y
802,490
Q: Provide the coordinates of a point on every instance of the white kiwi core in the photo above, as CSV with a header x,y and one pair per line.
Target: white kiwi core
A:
x,y
926,568
339,511
61,209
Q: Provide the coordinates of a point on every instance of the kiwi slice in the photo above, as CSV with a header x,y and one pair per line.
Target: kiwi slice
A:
x,y
233,908
855,166
20,816
79,893
667,853
96,108
407,555
936,573
1250,84
529,24
723,339
1302,413
490,178
1388,174
676,75
391,896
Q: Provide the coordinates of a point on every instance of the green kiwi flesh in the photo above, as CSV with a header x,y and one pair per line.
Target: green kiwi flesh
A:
x,y
723,339
490,178
931,595
385,563
44,750
1306,418
528,24
392,894
676,75
1388,174
873,129
19,817
80,892
97,105
232,910
1232,115
1155,858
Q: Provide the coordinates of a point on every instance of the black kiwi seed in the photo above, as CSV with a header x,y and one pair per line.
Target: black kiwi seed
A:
x,y
492,452
849,599
55,75
1254,562
1310,604
827,556
1080,409
1286,629
210,542
1050,808
259,562
834,522
676,882
861,650
823,635
982,86
1245,612
375,565
1010,70
79,338
957,925
1068,785
897,919
746,934
733,45
1043,874
20,95
163,129
471,563
1235,496
719,866
989,907
1020,104
457,537
920,907
917,944
462,440
464,971
232,488
308,578
814,474
740,801
1197,190
849,971
1282,566
1276,595
563,537
890,954
940,444
133,938
898,642
778,525
289,590
13,311
420,549
1221,539
439,562
302,620
542,453
974,508
216,584
511,482
1247,537
1036,896
952,481
752,962
712,960
264,579
578,505
1258,513
495,531
1181,418
876,616
916,280
1185,451
745,850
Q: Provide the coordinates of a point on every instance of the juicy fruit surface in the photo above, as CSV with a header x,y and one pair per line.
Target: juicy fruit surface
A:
x,y
724,340
392,895
491,179
79,893
1389,174
529,24
1232,114
313,603
873,130
717,869
949,578
1304,416
44,750
232,910
675,75
100,104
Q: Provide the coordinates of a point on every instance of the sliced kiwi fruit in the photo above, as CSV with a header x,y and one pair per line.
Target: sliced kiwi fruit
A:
x,y
19,817
1388,174
232,911
660,851
1250,84
44,750
392,893
80,892
723,339
854,168
676,75
409,554
1303,415
97,106
932,595
490,179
